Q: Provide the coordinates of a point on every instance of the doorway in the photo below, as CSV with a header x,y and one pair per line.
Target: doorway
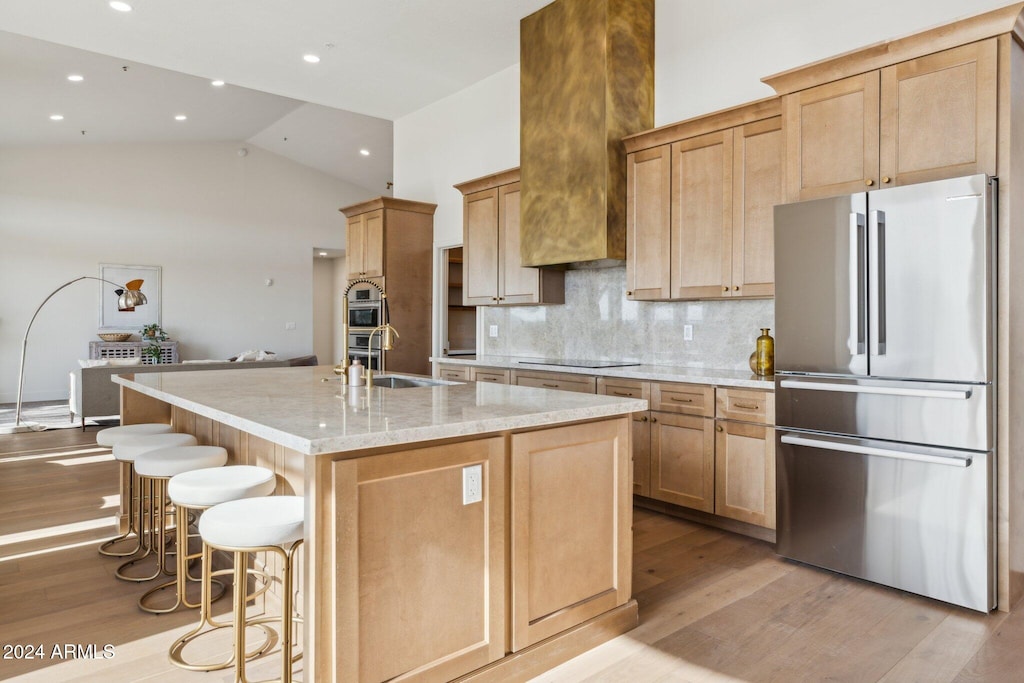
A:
x,y
459,324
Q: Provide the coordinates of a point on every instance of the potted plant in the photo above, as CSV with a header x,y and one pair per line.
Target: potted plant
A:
x,y
153,333
153,351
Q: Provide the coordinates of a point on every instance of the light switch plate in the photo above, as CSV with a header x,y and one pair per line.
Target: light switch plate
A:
x,y
687,332
493,331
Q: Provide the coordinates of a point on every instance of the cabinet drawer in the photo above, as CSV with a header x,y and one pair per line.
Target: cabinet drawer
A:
x,y
685,399
493,375
748,405
627,388
556,380
454,373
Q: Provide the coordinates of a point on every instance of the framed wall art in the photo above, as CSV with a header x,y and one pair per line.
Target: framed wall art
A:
x,y
144,278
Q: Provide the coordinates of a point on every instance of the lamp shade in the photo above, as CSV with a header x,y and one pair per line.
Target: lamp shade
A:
x,y
130,298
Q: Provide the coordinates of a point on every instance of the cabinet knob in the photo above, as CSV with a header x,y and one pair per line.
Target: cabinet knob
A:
x,y
643,419
629,293
869,182
654,419
886,179
718,428
725,289
736,288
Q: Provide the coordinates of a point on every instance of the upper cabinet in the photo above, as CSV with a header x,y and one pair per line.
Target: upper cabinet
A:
x,y
699,200
492,270
923,119
365,248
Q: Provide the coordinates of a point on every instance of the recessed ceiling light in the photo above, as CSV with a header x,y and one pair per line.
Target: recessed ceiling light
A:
x,y
312,59
217,84
75,78
120,6
365,152
56,117
323,253
180,117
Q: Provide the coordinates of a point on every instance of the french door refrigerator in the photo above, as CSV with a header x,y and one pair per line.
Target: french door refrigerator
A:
x,y
885,394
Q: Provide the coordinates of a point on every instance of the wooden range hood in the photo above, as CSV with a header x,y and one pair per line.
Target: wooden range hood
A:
x,y
587,80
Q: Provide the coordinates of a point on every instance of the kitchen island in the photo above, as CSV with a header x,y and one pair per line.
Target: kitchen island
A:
x,y
455,531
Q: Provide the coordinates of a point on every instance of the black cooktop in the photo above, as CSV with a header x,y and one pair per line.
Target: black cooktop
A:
x,y
579,363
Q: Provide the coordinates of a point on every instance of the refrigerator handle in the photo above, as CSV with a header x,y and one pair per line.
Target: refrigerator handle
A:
x,y
956,394
954,461
876,288
857,284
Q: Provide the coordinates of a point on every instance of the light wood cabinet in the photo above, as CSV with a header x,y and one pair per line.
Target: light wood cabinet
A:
x,y
492,375
391,241
745,455
563,381
565,484
365,245
683,460
493,271
388,576
453,373
699,206
640,424
922,119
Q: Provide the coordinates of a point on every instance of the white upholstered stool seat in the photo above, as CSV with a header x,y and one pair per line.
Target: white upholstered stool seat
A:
x,y
111,435
167,462
203,488
129,448
127,443
258,525
254,522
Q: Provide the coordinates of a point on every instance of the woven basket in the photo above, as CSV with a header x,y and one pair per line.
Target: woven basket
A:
x,y
114,336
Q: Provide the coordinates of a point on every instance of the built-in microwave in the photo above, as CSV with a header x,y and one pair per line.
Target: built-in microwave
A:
x,y
367,360
360,341
363,315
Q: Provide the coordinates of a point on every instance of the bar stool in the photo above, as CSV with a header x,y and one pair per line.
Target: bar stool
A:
x,y
126,450
258,525
196,491
154,469
109,437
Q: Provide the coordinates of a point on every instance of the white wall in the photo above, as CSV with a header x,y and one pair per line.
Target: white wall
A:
x,y
708,56
218,224
713,55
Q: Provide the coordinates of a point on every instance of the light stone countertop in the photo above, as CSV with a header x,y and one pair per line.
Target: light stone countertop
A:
x,y
654,373
294,408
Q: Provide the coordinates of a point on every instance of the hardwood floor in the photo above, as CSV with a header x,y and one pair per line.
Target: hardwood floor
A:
x,y
714,606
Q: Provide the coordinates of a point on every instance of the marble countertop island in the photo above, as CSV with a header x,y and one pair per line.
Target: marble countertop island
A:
x,y
296,408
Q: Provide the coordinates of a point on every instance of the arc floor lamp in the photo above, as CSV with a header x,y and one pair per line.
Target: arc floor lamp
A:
x,y
127,298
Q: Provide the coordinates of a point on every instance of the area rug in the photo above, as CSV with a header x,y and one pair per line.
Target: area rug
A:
x,y
49,416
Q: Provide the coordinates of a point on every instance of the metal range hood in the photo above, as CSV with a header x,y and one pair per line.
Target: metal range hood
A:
x,y
587,80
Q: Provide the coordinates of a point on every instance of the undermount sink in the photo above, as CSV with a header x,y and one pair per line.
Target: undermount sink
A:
x,y
402,382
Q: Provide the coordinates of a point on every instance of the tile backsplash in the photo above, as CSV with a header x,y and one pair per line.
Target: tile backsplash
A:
x,y
597,322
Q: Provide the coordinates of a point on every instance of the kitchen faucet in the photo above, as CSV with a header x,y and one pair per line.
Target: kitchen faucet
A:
x,y
386,344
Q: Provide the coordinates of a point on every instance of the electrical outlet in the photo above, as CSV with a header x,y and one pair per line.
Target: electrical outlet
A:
x,y
493,331
289,326
472,484
687,332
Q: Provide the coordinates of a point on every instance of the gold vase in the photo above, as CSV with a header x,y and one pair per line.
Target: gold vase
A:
x,y
763,360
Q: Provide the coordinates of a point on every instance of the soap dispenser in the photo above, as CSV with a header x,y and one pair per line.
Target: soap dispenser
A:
x,y
355,374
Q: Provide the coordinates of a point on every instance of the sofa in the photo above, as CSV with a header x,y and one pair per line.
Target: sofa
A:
x,y
92,392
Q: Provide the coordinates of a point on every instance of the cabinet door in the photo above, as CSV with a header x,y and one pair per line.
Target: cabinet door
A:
x,y
832,138
388,581
641,425
492,375
516,284
571,535
480,248
555,380
355,239
757,188
702,216
745,473
683,460
648,229
938,115
373,244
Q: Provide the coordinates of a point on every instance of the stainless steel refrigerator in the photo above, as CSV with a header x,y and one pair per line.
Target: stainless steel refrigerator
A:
x,y
885,393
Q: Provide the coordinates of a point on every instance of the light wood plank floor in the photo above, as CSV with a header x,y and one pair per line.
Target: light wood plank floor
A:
x,y
714,606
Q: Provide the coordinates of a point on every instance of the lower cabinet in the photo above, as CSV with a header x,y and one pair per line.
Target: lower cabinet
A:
x,y
472,373
571,537
683,460
745,472
562,381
